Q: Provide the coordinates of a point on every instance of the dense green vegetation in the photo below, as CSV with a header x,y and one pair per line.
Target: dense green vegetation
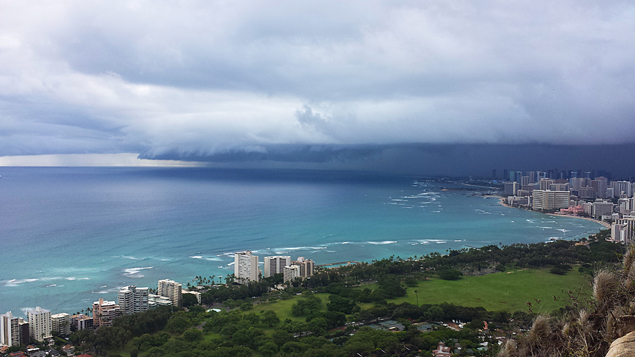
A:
x,y
313,317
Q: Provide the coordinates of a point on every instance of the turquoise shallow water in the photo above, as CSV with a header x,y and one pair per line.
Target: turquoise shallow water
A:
x,y
69,236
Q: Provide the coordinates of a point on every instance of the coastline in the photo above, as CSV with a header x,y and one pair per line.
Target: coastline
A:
x,y
501,201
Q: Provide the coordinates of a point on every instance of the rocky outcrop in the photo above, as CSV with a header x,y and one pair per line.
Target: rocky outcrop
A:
x,y
623,346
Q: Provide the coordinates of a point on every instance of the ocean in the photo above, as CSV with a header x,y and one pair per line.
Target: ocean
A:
x,y
69,236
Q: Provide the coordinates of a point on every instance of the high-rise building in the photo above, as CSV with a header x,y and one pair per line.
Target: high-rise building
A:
x,y
246,267
587,193
550,200
623,230
104,312
544,184
622,186
602,209
132,299
510,188
24,331
532,176
61,323
307,266
275,265
9,330
291,272
40,327
600,184
172,290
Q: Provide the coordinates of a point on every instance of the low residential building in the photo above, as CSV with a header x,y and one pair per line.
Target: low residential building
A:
x,y
155,301
40,327
61,323
104,312
442,351
82,322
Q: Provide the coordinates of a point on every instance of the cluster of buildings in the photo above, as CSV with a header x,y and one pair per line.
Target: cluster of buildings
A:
x,y
40,324
246,267
595,197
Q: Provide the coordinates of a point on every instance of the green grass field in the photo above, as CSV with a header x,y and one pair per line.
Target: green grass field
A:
x,y
501,291
506,291
283,307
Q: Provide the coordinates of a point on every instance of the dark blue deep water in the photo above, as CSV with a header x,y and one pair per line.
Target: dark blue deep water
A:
x,y
69,236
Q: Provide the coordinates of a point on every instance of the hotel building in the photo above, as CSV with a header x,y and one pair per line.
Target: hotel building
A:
x,y
275,265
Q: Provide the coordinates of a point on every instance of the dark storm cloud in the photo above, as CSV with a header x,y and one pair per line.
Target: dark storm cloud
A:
x,y
314,81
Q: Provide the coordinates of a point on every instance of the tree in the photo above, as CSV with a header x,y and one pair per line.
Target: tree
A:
x,y
193,335
269,349
189,300
270,318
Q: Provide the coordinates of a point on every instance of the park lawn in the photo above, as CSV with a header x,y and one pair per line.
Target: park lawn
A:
x,y
282,308
505,291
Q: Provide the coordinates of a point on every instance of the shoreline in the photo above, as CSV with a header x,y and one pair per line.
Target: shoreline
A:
x,y
501,201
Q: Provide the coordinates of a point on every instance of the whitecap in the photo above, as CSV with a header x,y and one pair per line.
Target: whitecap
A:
x,y
16,282
128,257
428,241
232,263
196,257
134,272
383,242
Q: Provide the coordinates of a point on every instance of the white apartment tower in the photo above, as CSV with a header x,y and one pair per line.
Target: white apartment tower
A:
x,y
275,265
132,299
40,327
9,330
246,267
291,272
172,290
61,323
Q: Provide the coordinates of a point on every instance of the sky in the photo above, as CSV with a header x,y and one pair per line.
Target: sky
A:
x,y
367,84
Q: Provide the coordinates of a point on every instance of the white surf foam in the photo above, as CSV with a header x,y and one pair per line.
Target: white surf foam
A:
x,y
134,272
